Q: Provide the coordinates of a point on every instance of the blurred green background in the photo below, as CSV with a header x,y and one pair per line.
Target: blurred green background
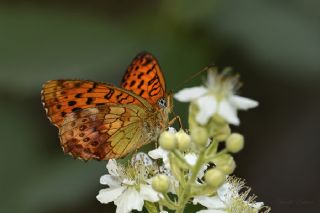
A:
x,y
275,45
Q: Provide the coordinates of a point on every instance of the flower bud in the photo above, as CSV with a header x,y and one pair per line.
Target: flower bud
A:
x,y
223,133
214,177
225,163
199,135
183,140
234,142
168,141
161,183
228,168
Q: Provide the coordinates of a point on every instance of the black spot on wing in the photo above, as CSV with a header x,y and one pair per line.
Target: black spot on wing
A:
x,y
150,70
76,109
132,83
71,103
89,100
109,94
141,92
140,84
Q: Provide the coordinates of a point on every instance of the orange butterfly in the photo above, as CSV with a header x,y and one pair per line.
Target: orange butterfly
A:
x,y
101,121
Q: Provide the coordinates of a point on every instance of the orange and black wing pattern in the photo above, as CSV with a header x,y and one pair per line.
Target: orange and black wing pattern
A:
x,y
61,97
145,78
101,121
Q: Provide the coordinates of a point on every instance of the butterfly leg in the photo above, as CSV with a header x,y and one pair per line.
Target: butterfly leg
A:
x,y
174,119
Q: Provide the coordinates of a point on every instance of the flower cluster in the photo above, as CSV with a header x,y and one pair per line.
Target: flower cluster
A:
x,y
129,186
190,166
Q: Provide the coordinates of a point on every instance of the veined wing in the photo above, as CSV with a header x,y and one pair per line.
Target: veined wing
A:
x,y
61,97
105,132
145,78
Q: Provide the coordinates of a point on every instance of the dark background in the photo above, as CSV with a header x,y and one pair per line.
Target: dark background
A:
x,y
275,45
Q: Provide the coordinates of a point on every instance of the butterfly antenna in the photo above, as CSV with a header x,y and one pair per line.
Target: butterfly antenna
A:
x,y
195,75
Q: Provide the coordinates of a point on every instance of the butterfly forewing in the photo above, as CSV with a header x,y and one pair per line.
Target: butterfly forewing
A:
x,y
61,97
144,78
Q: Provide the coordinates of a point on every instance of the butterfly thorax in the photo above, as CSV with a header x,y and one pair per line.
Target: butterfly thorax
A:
x,y
157,120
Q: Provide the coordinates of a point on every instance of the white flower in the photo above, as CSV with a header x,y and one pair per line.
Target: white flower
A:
x,y
128,187
218,97
229,199
160,153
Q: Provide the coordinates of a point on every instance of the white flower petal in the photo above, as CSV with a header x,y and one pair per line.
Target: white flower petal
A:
x,y
225,192
128,201
207,107
110,194
242,102
202,171
191,158
209,202
113,167
211,211
110,180
158,153
148,193
128,182
228,112
189,94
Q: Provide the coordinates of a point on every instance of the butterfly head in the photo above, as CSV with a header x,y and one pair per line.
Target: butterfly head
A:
x,y
162,103
166,103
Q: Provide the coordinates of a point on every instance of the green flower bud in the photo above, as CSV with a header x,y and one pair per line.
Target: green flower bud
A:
x,y
223,133
214,177
183,140
161,183
225,163
228,168
218,128
168,141
199,135
234,142
218,120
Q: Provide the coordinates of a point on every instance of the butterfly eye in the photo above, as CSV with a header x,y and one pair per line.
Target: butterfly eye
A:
x,y
162,103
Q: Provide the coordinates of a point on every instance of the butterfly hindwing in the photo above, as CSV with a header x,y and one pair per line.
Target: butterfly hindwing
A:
x,y
109,131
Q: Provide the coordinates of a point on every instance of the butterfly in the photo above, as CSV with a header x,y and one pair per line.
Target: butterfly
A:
x,y
102,121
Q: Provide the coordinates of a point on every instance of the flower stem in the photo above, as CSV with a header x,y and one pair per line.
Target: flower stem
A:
x,y
186,192
179,157
168,202
151,207
212,148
